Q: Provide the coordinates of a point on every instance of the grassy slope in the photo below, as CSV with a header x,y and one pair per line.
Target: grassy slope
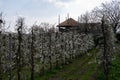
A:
x,y
114,68
83,68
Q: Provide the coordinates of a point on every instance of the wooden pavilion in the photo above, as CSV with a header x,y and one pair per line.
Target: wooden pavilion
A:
x,y
68,25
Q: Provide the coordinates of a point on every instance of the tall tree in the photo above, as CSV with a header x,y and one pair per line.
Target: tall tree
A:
x,y
85,19
112,12
108,36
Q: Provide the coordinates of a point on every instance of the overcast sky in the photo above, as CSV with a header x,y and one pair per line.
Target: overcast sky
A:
x,y
45,10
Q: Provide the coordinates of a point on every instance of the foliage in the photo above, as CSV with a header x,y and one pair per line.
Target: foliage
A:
x,y
51,49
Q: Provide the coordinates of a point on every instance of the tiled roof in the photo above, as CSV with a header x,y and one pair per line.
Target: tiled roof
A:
x,y
69,23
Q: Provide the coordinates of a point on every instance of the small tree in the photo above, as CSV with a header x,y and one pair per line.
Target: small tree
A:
x,y
20,25
49,45
10,56
32,53
0,59
2,22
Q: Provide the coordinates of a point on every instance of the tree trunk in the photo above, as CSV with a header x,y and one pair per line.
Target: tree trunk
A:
x,y
108,36
18,55
50,54
0,58
32,56
10,57
43,61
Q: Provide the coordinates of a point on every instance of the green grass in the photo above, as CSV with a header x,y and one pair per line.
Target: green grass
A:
x,y
87,69
47,75
83,68
115,69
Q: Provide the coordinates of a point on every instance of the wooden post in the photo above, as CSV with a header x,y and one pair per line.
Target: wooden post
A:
x,y
59,22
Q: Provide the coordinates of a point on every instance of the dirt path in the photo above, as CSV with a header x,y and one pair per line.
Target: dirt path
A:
x,y
83,68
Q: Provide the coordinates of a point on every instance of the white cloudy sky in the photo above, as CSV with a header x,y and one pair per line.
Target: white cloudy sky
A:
x,y
45,10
